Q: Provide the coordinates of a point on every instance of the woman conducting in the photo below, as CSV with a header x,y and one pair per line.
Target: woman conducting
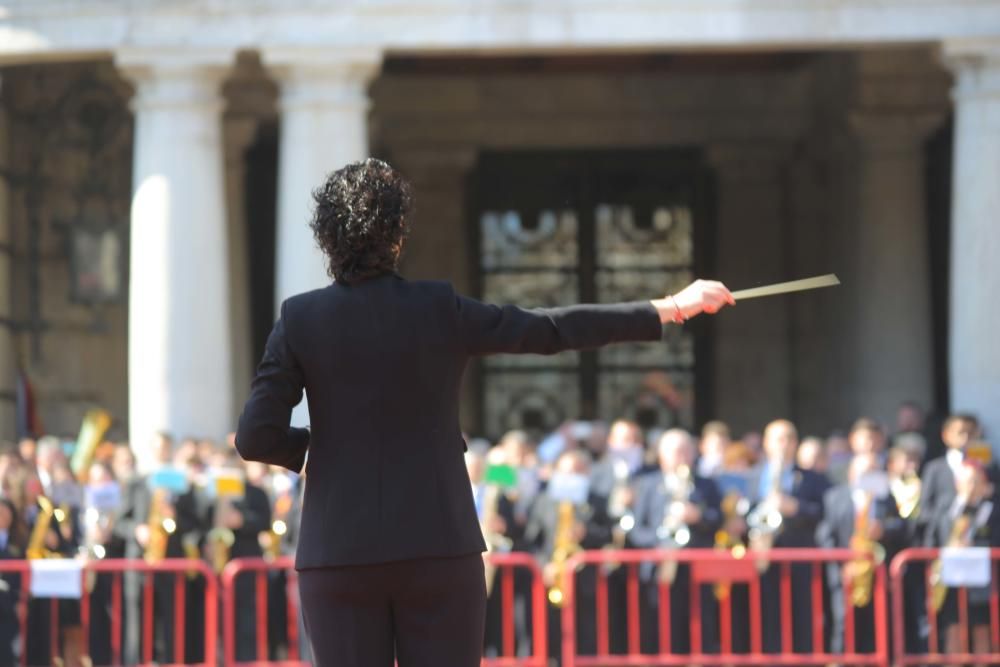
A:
x,y
389,555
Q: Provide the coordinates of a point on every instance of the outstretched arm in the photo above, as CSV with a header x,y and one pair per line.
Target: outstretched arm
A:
x,y
489,329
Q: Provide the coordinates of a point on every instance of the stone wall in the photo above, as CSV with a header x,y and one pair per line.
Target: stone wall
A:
x,y
790,181
68,166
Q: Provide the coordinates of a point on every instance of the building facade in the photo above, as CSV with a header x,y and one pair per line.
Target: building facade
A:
x,y
157,158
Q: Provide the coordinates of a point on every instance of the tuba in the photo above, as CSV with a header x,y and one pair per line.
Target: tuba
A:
x,y
674,533
565,547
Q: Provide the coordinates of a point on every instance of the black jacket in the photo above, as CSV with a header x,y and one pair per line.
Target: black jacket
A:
x,y
381,363
808,488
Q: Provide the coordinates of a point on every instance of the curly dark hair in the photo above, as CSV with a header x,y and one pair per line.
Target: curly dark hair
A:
x,y
361,218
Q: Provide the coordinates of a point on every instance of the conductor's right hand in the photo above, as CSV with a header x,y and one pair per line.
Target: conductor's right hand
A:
x,y
701,296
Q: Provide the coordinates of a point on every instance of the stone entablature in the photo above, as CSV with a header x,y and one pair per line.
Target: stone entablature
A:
x,y
31,29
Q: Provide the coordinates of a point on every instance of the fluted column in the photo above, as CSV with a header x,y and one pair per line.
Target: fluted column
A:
x,y
180,366
974,356
324,106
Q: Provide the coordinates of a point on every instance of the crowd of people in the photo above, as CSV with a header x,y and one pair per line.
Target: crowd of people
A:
x,y
588,485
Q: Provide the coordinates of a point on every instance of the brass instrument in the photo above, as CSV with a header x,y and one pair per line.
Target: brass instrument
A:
x,y
959,538
906,492
92,431
869,554
271,539
565,547
228,486
733,506
764,522
36,544
674,533
161,526
618,505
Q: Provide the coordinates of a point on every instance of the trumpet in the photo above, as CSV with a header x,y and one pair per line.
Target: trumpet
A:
x,y
565,547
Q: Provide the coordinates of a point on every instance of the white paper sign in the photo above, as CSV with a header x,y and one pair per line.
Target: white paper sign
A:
x,y
965,566
56,578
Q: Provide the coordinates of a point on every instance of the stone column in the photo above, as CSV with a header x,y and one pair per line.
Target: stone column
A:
x,y
893,358
324,125
180,366
974,356
238,134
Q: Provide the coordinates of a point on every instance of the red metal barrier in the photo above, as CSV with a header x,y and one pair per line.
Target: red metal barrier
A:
x,y
709,567
180,568
260,567
934,655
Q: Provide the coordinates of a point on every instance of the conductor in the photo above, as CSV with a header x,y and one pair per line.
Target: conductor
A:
x,y
389,556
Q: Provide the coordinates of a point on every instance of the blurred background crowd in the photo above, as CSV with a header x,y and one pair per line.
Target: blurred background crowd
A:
x,y
588,485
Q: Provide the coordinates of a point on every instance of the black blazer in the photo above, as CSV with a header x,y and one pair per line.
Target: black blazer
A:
x,y
381,363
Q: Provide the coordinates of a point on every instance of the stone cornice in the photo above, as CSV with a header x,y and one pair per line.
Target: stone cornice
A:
x,y
64,28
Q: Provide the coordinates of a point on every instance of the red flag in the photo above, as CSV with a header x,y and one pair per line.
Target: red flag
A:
x,y
28,424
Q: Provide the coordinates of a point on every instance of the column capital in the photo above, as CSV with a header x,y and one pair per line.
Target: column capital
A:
x,y
893,132
975,64
323,78
174,79
749,160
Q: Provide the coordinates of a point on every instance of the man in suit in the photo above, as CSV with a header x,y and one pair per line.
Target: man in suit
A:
x,y
938,479
590,528
676,509
849,508
779,486
131,525
390,543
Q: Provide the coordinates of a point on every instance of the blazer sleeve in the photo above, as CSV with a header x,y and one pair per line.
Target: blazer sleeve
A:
x,y
489,329
264,433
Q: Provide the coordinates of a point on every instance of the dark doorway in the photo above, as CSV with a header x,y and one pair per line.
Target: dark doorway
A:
x,y
555,228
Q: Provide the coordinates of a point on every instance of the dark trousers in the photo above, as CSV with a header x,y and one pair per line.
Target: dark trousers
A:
x,y
802,610
432,611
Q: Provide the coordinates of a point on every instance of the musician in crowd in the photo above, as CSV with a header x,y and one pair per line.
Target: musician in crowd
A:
x,y
154,524
838,456
971,519
13,538
903,468
676,509
53,533
568,517
613,476
506,511
811,455
246,518
938,488
715,439
867,436
860,515
787,508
